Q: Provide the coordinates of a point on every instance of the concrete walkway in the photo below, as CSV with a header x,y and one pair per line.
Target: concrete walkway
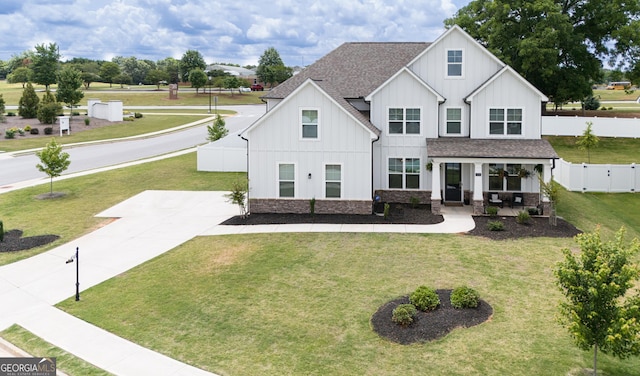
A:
x,y
147,225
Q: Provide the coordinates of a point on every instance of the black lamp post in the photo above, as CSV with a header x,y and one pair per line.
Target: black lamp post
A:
x,y
70,260
209,94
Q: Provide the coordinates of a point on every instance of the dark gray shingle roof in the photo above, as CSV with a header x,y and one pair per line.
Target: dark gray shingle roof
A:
x,y
354,70
489,148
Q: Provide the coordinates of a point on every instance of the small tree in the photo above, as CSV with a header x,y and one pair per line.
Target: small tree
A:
x,y
48,108
28,104
588,140
198,78
217,130
2,107
156,76
69,84
122,79
595,284
54,161
238,196
552,191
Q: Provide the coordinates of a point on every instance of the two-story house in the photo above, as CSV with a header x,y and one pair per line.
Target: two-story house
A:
x,y
442,122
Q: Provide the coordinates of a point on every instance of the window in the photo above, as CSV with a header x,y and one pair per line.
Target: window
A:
x,y
333,180
286,180
454,120
404,173
511,124
454,63
504,177
309,121
404,121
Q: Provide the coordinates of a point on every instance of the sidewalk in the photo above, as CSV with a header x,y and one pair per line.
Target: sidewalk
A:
x,y
148,225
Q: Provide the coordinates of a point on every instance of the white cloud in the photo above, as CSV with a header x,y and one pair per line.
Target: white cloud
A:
x,y
239,31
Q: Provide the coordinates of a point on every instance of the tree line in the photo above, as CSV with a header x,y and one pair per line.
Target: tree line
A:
x,y
43,64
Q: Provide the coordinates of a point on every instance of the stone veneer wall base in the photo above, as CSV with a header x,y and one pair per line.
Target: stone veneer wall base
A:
x,y
362,207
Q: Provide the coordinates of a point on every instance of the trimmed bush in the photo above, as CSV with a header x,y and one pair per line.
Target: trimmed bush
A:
x,y
404,314
11,113
495,226
425,298
137,115
10,133
87,121
492,211
27,128
523,217
464,297
1,231
532,211
34,131
48,130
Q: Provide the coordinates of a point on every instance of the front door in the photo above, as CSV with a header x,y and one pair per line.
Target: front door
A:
x,y
452,179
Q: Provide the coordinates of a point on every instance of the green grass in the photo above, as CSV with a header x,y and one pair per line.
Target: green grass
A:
x,y
89,195
38,347
608,151
300,304
141,96
146,124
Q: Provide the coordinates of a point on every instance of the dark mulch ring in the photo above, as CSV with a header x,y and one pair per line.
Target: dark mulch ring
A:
x,y
537,226
13,241
398,214
428,326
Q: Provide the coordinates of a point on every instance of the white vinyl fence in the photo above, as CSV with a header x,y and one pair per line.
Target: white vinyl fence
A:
x,y
601,126
584,177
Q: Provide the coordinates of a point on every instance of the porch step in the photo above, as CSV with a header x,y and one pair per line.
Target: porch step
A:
x,y
453,204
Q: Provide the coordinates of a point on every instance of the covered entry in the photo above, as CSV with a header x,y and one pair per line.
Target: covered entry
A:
x,y
452,181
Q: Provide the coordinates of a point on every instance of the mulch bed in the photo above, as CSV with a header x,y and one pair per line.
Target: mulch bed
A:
x,y
537,226
428,326
13,241
76,125
399,214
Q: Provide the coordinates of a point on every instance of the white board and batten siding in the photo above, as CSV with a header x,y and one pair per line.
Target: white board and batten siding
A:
x,y
404,91
506,91
341,140
478,65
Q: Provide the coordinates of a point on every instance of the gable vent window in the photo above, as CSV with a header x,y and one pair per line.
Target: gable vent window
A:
x,y
454,63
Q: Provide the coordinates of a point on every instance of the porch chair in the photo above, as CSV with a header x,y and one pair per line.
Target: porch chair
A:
x,y
494,199
517,199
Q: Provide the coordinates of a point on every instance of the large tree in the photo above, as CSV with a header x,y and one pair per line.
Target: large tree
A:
x,y
108,71
156,76
69,83
271,69
198,78
172,67
557,45
599,313
191,60
45,64
22,74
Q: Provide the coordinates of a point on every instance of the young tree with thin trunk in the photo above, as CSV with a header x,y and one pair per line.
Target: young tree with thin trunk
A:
x,y
588,140
598,312
217,130
53,161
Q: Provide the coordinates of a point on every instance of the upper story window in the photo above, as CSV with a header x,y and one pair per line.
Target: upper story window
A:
x,y
404,121
505,121
454,63
454,120
286,179
309,123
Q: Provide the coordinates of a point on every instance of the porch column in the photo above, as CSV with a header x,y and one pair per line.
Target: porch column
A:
x,y
436,197
546,177
478,189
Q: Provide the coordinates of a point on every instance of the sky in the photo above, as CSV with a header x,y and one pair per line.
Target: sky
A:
x,y
232,31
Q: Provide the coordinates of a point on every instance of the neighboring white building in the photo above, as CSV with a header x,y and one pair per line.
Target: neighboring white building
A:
x,y
443,122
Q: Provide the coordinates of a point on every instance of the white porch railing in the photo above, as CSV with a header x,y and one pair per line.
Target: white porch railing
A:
x,y
582,177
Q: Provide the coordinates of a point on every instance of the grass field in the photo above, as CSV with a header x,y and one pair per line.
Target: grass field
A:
x,y
609,150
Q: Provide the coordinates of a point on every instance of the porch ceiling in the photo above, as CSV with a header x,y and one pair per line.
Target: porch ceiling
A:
x,y
489,148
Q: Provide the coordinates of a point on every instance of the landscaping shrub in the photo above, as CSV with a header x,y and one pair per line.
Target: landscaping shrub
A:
x,y
11,113
414,201
403,314
128,119
10,133
75,113
523,217
87,121
1,231
48,130
387,208
533,211
425,298
495,226
21,131
312,206
137,115
464,297
492,211
34,131
27,128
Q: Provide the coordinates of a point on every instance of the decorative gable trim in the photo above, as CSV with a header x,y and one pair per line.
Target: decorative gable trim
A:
x,y
439,97
265,117
507,70
457,29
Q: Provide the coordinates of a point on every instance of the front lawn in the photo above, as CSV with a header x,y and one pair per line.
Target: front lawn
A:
x,y
300,304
